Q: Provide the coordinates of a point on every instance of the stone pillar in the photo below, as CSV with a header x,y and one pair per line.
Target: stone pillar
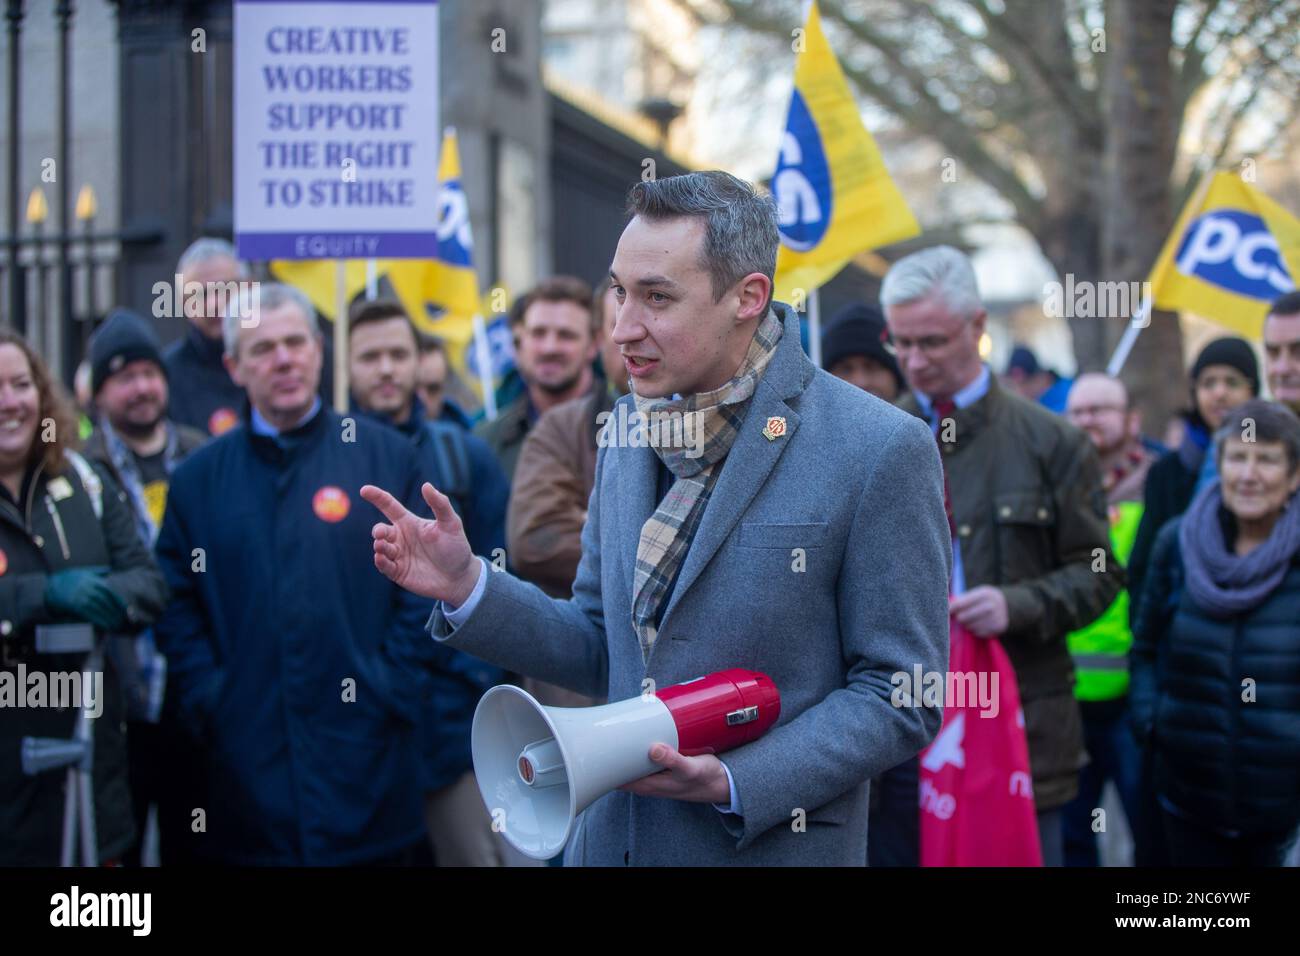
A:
x,y
492,93
174,144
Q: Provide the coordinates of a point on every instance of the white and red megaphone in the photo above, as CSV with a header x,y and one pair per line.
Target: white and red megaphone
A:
x,y
542,766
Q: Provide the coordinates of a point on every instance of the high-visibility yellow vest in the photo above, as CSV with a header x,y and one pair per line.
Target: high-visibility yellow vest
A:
x,y
1100,650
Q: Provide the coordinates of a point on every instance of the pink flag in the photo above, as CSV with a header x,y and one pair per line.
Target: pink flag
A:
x,y
977,797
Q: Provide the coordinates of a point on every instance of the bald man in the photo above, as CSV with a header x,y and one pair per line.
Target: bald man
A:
x,y
1099,406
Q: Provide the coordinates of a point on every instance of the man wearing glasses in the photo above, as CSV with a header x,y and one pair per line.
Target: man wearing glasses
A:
x,y
1027,513
1099,406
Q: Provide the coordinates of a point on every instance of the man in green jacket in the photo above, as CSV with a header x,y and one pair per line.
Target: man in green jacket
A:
x,y
1031,549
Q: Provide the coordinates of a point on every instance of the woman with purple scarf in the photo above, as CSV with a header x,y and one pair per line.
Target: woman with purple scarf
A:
x,y
1216,657
1225,374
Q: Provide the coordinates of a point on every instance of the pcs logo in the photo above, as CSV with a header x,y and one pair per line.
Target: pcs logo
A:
x,y
1235,251
802,182
454,239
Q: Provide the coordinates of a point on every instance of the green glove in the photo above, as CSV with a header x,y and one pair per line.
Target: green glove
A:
x,y
82,593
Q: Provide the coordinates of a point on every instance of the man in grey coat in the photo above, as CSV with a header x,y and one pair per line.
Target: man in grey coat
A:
x,y
788,523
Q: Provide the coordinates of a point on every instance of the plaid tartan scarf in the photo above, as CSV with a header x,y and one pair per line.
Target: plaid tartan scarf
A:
x,y
713,420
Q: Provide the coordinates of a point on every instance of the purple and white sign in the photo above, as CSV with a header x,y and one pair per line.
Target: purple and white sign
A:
x,y
336,129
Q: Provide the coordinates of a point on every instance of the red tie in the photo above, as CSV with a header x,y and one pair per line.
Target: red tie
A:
x,y
943,408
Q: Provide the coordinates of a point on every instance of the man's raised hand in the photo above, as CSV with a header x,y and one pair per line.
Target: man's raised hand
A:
x,y
429,558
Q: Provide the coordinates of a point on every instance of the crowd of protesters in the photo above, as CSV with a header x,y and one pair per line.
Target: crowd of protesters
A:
x,y
272,699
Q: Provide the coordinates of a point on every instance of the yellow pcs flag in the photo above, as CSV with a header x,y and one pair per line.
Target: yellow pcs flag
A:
x,y
833,194
440,295
1231,253
450,281
451,286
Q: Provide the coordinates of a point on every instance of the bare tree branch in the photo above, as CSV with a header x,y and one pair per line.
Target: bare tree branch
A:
x,y
924,115
1066,91
1192,74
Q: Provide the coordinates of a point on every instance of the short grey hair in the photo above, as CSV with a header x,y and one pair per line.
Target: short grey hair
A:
x,y
740,222
1270,422
245,309
940,270
205,248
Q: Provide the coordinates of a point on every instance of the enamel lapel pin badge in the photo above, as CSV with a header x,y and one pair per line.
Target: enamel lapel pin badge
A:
x,y
775,428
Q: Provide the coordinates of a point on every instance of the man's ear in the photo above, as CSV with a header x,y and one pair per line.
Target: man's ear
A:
x,y
752,296
1134,429
978,323
232,368
319,339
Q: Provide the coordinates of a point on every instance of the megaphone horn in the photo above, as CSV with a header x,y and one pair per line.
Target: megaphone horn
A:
x,y
539,767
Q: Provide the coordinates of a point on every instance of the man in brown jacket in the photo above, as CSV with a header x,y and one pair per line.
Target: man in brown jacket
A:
x,y
1031,546
553,480
555,472
555,330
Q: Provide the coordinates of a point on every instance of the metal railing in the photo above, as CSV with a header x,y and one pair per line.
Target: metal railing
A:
x,y
55,288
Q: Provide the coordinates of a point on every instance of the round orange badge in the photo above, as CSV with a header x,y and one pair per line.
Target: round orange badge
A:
x,y
331,504
4,563
222,420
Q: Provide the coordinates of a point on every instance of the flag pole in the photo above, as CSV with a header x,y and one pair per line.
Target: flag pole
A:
x,y
340,336
815,327
483,357
1141,319
814,297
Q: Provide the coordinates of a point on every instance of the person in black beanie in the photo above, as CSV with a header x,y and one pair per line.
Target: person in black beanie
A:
x,y
140,447
123,337
1225,374
855,347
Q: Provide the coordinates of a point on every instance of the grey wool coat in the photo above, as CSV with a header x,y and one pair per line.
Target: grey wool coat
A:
x,y
856,485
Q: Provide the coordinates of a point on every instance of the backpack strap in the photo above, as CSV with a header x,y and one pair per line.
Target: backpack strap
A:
x,y
453,459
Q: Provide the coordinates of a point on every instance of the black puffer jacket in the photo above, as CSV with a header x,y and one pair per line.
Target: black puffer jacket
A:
x,y
53,527
1171,483
1229,763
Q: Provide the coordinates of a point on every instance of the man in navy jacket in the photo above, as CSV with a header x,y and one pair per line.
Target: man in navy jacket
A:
x,y
300,666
